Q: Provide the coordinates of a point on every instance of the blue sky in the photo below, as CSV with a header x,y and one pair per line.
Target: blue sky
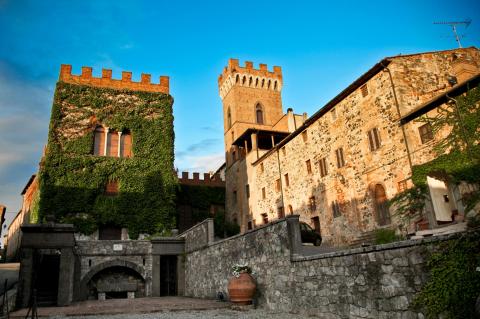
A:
x,y
322,47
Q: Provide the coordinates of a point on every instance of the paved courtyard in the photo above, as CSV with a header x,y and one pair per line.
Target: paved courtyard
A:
x,y
151,308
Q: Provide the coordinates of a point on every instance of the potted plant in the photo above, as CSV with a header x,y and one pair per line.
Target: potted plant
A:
x,y
241,287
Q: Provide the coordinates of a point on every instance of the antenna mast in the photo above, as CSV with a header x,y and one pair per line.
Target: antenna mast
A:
x,y
454,24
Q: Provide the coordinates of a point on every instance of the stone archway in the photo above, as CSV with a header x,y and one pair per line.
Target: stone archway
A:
x,y
116,265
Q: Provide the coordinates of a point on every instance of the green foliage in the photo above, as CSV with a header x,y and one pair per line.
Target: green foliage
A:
x,y
72,180
460,159
385,236
454,282
200,198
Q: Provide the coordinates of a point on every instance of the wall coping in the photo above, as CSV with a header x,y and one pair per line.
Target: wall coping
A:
x,y
384,247
195,226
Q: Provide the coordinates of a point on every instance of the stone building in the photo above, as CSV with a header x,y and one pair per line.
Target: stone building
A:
x,y
337,168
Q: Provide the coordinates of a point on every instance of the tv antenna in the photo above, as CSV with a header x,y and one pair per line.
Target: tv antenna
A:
x,y
454,24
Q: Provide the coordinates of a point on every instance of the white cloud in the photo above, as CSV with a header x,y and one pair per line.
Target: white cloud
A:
x,y
200,163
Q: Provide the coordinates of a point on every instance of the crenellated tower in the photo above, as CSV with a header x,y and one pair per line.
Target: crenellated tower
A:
x,y
251,99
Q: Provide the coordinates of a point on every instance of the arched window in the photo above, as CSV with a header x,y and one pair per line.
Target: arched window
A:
x,y
229,118
259,114
381,205
99,141
112,143
237,79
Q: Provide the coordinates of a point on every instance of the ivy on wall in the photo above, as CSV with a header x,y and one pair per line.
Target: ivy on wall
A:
x,y
72,180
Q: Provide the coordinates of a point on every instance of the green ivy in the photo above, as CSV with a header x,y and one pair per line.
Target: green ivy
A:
x,y
72,180
454,282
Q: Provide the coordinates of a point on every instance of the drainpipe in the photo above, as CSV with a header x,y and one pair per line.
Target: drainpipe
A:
x,y
399,116
281,183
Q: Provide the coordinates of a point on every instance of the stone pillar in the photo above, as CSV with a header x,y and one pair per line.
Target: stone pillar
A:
x,y
25,278
294,236
106,142
119,144
66,277
156,275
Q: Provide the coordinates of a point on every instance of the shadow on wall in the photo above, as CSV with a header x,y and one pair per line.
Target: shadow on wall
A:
x,y
143,204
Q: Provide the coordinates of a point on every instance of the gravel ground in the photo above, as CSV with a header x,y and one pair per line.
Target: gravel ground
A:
x,y
206,314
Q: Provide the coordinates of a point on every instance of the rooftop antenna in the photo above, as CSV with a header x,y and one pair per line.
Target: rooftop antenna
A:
x,y
454,24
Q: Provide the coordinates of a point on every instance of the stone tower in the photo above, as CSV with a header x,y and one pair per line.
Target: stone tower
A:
x,y
251,99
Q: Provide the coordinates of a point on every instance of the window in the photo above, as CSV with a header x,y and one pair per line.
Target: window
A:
x,y
287,181
263,193
333,113
364,89
280,212
402,186
247,190
259,114
229,118
251,224
233,136
111,189
323,167
234,197
284,151
265,218
262,168
305,135
309,167
290,209
336,209
111,143
311,204
277,185
426,133
340,158
374,139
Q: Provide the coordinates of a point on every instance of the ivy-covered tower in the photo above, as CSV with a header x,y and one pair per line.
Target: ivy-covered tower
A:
x,y
108,166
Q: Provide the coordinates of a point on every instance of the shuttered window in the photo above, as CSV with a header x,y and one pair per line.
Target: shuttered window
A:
x,y
99,141
126,147
323,167
340,158
374,139
112,144
309,167
287,180
426,133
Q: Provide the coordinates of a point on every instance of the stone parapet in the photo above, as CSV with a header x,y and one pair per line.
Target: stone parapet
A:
x,y
212,181
86,78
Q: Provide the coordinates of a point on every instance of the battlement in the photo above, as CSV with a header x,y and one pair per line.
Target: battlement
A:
x,y
106,81
248,76
208,180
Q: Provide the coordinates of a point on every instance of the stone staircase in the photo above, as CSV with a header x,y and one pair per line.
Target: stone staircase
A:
x,y
365,239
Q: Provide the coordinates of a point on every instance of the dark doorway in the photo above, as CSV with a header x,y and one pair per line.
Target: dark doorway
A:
x,y
316,224
381,205
109,232
47,272
168,275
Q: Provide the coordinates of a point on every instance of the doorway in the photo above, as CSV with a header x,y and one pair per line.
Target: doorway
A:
x,y
48,269
168,275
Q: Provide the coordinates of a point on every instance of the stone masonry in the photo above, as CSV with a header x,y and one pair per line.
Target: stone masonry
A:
x,y
371,282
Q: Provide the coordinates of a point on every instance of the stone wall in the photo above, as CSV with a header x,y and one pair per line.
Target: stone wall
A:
x,y
199,236
371,282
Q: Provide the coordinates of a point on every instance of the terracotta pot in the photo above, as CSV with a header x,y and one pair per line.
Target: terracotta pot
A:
x,y
241,289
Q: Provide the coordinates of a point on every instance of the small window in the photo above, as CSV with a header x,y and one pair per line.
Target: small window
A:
x,y
229,117
364,89
259,114
111,189
264,195
336,209
280,212
250,225
426,133
312,204
323,167
233,136
333,113
284,151
247,190
234,197
374,139
277,185
287,181
290,209
309,167
402,186
262,168
265,218
305,136
340,158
